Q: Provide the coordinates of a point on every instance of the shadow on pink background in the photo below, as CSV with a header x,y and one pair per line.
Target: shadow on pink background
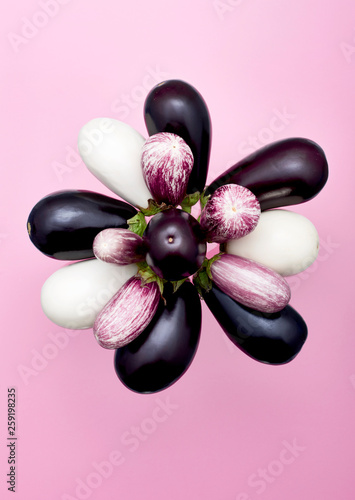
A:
x,y
231,428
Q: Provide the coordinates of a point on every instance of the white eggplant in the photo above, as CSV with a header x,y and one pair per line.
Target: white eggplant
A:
x,y
232,212
73,296
250,283
127,314
112,152
284,241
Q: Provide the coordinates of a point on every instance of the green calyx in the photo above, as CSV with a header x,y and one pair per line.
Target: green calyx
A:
x,y
137,224
203,278
147,275
204,199
189,201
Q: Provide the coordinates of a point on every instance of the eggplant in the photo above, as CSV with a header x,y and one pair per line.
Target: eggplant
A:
x,y
177,107
167,162
63,225
164,351
127,314
274,338
283,173
175,244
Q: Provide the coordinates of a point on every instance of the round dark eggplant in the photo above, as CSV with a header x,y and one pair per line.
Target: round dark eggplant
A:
x,y
269,338
283,173
176,245
164,351
63,225
177,107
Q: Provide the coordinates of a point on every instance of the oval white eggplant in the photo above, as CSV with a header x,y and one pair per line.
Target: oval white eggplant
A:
x,y
250,283
284,241
232,212
73,296
167,163
112,151
127,314
119,246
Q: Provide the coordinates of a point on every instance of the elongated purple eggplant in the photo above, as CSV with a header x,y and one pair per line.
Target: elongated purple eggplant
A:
x,y
63,225
175,243
269,338
164,351
251,283
232,212
127,314
167,163
283,173
119,246
177,107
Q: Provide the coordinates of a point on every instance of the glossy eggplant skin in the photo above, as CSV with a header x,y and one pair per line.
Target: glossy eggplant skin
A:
x,y
63,225
177,107
269,338
283,173
164,351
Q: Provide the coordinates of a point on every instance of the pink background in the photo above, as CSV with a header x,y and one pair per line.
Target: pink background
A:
x,y
229,420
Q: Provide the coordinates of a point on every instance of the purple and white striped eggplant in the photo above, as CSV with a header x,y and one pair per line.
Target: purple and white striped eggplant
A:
x,y
127,314
250,283
167,163
232,212
119,246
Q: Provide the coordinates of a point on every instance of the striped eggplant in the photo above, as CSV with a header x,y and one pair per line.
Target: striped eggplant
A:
x,y
167,162
177,107
63,225
164,351
119,246
283,173
232,212
250,283
269,338
127,314
111,150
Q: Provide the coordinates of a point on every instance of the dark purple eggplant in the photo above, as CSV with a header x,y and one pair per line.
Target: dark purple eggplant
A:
x,y
177,107
283,173
164,351
176,244
269,338
63,225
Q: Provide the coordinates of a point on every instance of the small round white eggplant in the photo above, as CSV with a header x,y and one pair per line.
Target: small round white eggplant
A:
x,y
232,212
284,241
250,283
112,152
167,163
73,296
127,314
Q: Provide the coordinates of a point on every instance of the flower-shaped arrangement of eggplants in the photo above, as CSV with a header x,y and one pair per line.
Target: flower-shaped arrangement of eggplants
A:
x,y
142,262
